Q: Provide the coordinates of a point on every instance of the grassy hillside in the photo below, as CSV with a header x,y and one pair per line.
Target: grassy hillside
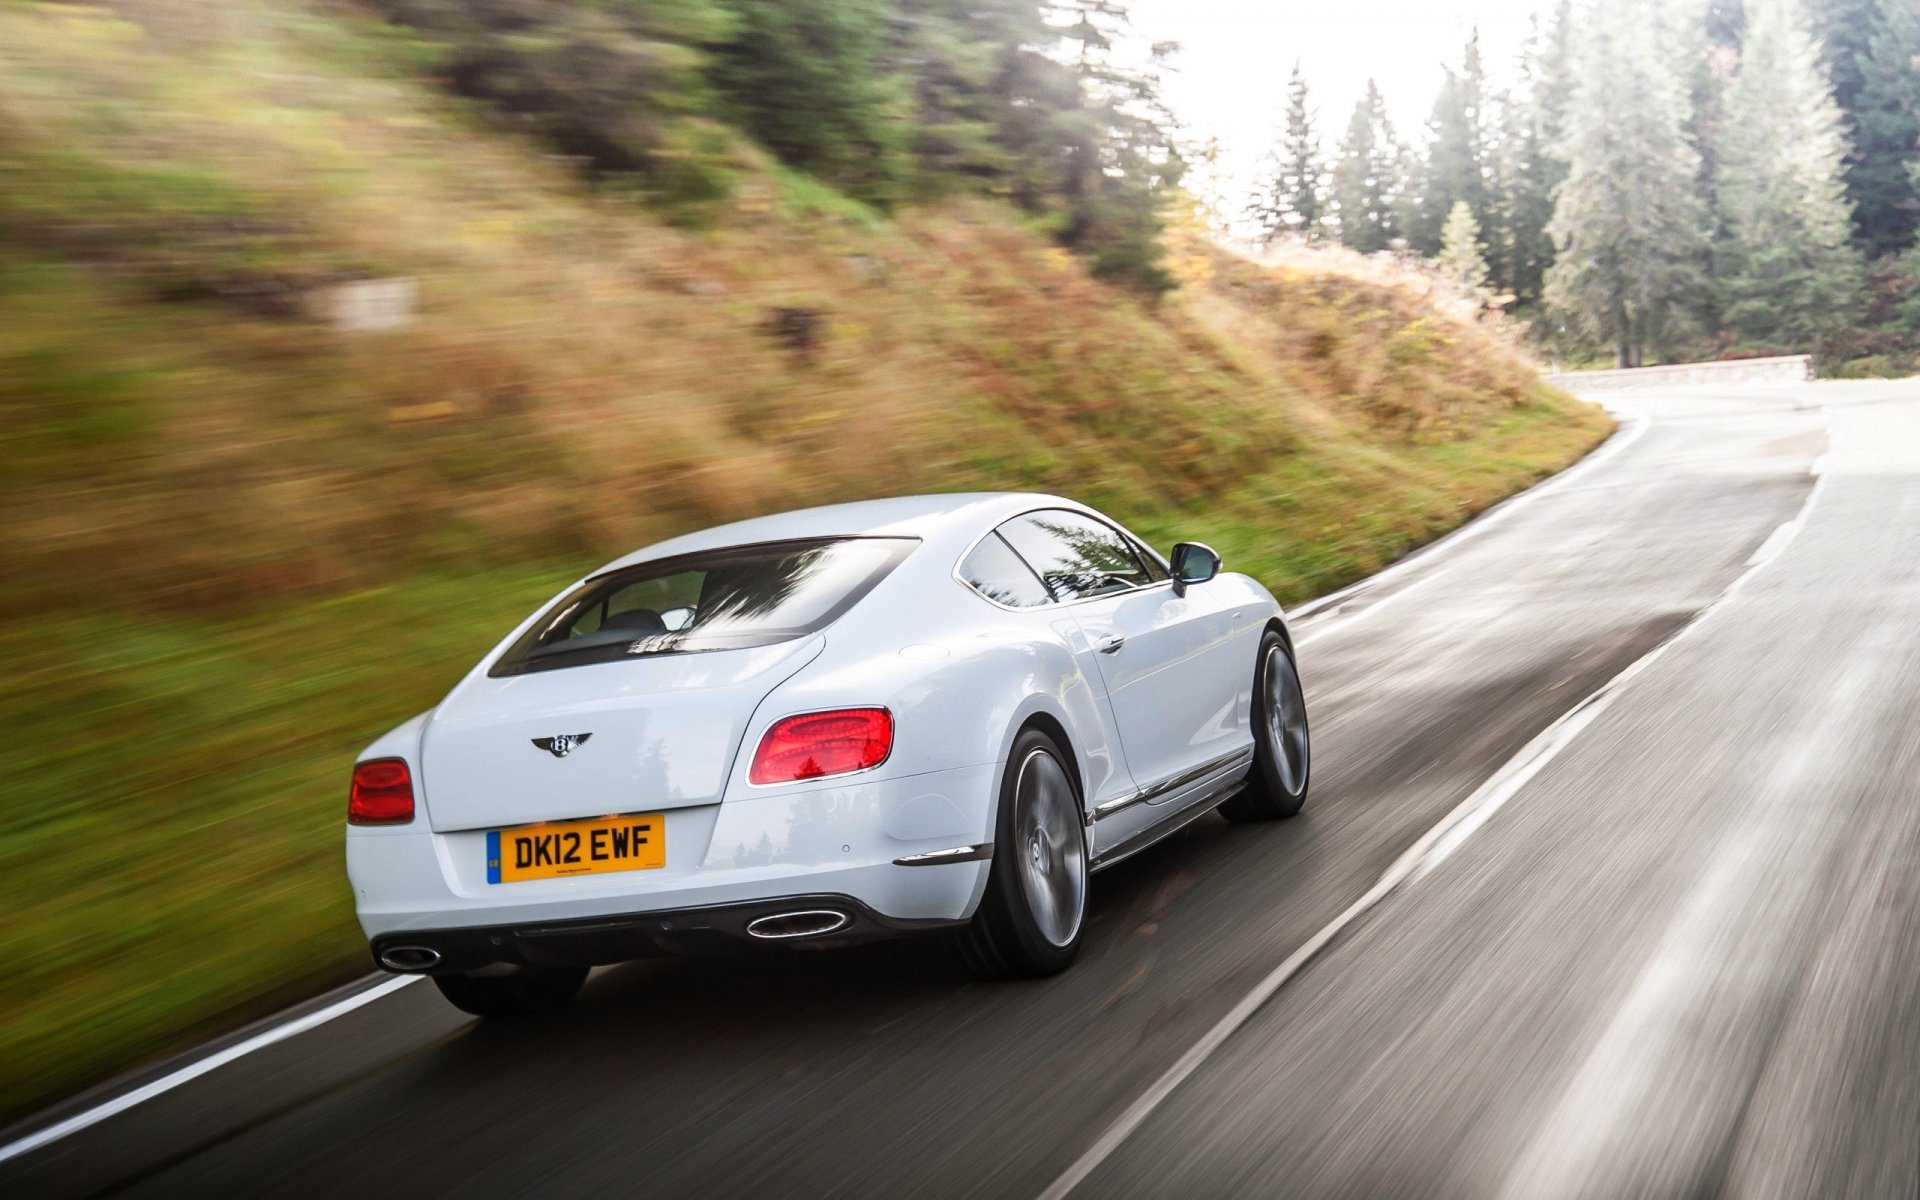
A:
x,y
242,538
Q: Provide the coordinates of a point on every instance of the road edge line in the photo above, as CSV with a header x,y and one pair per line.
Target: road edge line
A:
x,y
134,1097
1504,784
1638,421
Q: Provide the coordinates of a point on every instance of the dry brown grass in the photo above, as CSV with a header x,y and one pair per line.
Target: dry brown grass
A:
x,y
580,378
240,543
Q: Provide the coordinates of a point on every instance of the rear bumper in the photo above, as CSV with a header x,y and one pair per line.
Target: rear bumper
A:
x,y
763,848
592,941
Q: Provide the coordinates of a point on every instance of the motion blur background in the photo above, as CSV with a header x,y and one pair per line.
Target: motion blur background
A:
x,y
335,336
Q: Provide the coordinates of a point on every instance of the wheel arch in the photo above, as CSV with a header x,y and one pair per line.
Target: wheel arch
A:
x,y
1045,722
1278,624
1037,714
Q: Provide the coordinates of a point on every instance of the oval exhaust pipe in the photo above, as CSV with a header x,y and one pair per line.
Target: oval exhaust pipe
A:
x,y
410,958
808,923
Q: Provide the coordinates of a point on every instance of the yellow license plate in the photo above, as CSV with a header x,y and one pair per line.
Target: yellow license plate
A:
x,y
562,848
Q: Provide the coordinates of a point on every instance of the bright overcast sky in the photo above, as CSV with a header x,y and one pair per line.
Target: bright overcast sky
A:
x,y
1236,55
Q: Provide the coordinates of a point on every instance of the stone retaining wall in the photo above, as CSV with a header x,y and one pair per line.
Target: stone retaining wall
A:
x,y
1796,368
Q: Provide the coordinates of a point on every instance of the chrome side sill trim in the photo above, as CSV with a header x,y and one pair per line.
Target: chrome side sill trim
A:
x,y
1154,834
1173,784
952,854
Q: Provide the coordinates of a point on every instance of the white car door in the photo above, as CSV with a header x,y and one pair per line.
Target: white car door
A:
x,y
1178,691
996,572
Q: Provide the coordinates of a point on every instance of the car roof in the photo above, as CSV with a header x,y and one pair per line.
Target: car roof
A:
x,y
952,518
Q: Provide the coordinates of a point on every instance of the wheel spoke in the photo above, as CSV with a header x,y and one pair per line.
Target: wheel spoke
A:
x,y
1286,721
1053,857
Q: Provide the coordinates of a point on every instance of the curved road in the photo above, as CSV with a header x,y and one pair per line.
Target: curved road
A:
x,y
1671,949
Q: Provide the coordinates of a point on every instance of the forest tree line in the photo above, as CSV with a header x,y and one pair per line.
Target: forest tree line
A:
x,y
1662,178
1040,102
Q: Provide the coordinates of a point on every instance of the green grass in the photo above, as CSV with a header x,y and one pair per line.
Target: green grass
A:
x,y
240,544
171,841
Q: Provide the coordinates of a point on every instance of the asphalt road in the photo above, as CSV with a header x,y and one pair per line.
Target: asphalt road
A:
x,y
1681,959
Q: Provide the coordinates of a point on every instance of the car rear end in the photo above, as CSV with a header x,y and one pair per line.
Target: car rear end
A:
x,y
613,782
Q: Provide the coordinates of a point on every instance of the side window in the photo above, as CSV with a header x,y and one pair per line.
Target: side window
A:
x,y
1076,556
1156,570
997,573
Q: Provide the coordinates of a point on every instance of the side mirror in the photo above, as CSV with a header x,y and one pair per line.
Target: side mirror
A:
x,y
1192,563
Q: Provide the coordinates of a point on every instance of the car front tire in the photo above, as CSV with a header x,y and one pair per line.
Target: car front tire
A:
x,y
1282,751
521,994
1030,919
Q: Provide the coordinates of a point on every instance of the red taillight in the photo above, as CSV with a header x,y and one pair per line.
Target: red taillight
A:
x,y
824,743
382,793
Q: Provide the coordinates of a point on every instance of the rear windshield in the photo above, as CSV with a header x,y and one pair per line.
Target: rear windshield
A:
x,y
716,600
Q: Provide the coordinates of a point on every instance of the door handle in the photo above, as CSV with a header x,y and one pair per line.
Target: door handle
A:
x,y
1111,645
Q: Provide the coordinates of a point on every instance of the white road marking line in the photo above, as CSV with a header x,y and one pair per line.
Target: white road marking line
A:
x,y
1433,846
1788,530
194,1070
1638,425
280,1033
1577,1142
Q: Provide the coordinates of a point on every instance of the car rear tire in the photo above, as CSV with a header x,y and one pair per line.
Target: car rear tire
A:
x,y
1030,919
522,994
1282,751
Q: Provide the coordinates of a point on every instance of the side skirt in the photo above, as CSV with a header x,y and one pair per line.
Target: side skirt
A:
x,y
1209,800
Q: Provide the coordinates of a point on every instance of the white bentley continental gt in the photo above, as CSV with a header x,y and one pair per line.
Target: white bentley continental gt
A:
x,y
829,725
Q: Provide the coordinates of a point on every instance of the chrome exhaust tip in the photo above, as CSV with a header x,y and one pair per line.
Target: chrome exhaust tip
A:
x,y
409,958
813,922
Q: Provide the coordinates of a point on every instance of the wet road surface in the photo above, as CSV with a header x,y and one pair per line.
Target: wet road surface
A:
x,y
1681,959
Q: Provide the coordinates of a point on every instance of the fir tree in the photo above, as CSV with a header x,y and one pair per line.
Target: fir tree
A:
x,y
1366,178
1886,130
1628,227
1411,178
1290,200
1458,153
1527,166
1121,153
802,78
1519,198
1843,28
1548,63
970,67
1460,259
1705,37
1791,276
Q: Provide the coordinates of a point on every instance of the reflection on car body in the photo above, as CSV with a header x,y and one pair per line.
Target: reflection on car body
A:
x,y
931,713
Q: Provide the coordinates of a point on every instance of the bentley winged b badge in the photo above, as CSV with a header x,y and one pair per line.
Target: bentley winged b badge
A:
x,y
562,745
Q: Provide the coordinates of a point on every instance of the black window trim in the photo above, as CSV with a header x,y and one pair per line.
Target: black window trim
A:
x,y
1032,574
555,609
1132,542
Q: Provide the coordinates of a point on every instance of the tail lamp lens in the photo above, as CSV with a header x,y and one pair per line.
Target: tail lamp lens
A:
x,y
814,745
382,793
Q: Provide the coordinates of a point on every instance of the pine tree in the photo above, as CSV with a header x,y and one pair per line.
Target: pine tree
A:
x,y
1791,276
1886,130
970,67
1549,68
1411,175
1290,200
1704,36
1514,223
1458,153
1628,228
1366,180
1843,28
1120,148
802,78
1527,166
1460,259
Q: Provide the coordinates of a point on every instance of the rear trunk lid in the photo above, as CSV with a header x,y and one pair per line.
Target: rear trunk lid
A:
x,y
642,735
